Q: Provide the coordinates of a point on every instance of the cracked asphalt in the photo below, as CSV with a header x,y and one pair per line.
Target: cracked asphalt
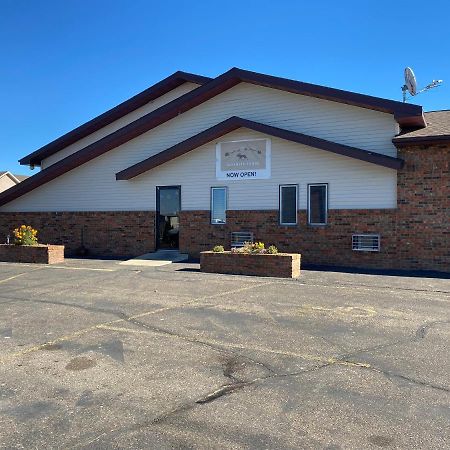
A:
x,y
96,355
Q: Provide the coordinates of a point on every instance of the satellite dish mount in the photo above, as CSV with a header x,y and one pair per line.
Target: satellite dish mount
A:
x,y
411,84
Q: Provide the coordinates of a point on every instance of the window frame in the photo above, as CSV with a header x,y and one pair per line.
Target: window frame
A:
x,y
211,204
317,224
280,198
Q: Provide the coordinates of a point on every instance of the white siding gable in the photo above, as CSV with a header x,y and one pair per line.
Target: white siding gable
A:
x,y
345,124
353,184
116,125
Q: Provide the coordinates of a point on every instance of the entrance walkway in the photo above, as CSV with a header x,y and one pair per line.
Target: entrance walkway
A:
x,y
158,258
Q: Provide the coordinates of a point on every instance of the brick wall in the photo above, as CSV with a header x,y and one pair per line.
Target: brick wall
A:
x,y
327,245
280,265
423,191
39,254
105,233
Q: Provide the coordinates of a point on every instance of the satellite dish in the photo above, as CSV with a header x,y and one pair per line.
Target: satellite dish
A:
x,y
411,84
410,81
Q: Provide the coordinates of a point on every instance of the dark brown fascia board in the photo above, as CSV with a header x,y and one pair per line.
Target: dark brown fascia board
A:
x,y
152,93
234,123
406,114
420,140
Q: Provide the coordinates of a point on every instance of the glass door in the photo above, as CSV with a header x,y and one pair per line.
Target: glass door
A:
x,y
168,206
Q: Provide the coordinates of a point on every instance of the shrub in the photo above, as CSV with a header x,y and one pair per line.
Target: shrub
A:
x,y
25,235
257,247
218,249
272,250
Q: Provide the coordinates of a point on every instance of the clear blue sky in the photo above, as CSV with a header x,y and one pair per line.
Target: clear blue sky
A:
x,y
64,62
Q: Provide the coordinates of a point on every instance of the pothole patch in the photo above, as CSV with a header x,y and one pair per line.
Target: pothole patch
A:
x,y
80,363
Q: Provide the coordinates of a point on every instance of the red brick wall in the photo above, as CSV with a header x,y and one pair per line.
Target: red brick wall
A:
x,y
280,265
39,254
105,233
423,191
328,245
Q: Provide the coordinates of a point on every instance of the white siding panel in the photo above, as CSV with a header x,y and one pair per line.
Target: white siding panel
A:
x,y
353,184
350,125
125,120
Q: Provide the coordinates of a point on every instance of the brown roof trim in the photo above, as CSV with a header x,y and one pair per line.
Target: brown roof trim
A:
x,y
406,114
157,90
234,123
420,140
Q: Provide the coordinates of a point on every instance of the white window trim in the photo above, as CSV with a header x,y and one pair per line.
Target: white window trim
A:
x,y
280,199
309,204
212,204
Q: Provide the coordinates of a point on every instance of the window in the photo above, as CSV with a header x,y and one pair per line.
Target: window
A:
x,y
288,204
218,205
366,242
317,204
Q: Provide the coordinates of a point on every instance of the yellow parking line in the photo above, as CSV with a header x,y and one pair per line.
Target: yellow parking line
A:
x,y
112,322
19,275
224,345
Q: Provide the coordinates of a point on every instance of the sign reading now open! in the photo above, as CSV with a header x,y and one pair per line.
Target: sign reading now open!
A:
x,y
239,160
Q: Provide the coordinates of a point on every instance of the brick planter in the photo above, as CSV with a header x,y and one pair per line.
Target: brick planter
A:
x,y
284,265
40,254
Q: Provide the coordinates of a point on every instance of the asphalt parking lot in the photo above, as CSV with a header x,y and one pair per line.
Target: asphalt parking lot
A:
x,y
94,354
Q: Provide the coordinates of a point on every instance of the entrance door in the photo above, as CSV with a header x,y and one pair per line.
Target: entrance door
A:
x,y
168,206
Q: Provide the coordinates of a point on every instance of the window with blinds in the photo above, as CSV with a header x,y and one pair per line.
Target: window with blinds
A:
x,y
218,205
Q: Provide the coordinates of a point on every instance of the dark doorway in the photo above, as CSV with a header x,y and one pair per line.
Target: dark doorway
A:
x,y
168,206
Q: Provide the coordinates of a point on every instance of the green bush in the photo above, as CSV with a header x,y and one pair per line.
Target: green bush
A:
x,y
272,250
218,249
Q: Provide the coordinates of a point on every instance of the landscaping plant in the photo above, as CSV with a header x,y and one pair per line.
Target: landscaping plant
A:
x,y
257,248
25,235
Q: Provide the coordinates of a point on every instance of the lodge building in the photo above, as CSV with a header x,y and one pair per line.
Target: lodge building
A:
x,y
343,178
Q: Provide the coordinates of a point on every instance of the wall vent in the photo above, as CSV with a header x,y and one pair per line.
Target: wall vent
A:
x,y
366,242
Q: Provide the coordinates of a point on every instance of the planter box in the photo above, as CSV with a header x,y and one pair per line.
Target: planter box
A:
x,y
284,265
40,254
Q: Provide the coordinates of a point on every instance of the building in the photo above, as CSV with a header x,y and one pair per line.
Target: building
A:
x,y
344,178
7,180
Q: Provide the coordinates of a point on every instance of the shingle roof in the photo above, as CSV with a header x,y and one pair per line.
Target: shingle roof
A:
x,y
437,129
